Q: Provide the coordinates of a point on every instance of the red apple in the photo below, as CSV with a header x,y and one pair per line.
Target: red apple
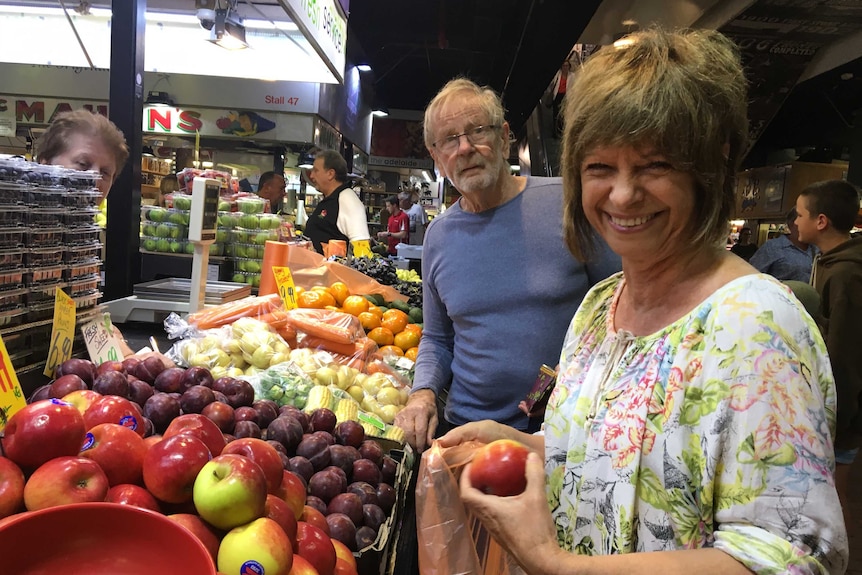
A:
x,y
277,510
264,455
171,466
221,414
135,495
12,489
65,480
81,399
500,468
198,527
292,490
230,491
118,450
115,409
344,554
200,426
257,547
41,431
315,546
314,517
301,566
152,440
342,567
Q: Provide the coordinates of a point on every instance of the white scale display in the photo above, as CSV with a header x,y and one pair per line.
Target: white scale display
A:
x,y
203,220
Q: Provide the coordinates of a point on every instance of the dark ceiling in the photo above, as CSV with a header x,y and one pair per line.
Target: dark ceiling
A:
x,y
515,46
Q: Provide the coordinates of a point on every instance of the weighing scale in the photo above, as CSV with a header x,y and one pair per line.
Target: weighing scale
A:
x,y
181,295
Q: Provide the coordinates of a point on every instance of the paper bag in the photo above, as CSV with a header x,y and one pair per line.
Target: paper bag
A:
x,y
452,540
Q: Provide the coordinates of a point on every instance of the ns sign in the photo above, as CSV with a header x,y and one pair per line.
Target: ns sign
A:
x,y
171,120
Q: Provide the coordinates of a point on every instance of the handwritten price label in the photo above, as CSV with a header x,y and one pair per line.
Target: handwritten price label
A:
x,y
286,288
11,397
62,332
99,338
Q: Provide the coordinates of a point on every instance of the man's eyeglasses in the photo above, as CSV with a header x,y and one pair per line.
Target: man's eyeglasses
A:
x,y
477,135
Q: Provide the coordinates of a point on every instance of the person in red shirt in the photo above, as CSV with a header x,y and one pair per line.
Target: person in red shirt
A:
x,y
397,227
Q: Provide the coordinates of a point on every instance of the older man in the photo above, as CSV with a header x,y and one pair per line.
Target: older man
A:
x,y
499,285
340,215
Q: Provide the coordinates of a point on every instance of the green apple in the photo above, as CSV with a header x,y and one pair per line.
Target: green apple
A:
x,y
255,280
177,231
240,236
226,220
163,231
189,248
221,235
249,221
175,217
163,245
252,266
176,247
216,249
182,202
223,206
230,490
150,244
259,547
261,238
157,214
269,222
250,205
238,278
149,230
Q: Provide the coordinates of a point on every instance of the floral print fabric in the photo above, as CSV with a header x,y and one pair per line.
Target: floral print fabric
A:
x,y
713,432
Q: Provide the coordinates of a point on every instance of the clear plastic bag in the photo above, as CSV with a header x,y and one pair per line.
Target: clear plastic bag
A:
x,y
452,540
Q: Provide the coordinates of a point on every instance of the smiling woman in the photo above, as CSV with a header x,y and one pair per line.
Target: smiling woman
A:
x,y
83,140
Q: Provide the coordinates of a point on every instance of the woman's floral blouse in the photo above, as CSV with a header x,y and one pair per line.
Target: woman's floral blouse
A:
x,y
713,432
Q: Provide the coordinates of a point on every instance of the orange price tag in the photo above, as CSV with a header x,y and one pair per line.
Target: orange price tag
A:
x,y
11,397
62,333
286,288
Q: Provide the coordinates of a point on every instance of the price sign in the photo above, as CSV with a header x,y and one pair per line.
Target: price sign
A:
x,y
284,281
11,397
62,333
99,338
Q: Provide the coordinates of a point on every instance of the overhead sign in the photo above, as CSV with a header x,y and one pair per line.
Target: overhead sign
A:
x,y
227,123
324,25
39,111
412,163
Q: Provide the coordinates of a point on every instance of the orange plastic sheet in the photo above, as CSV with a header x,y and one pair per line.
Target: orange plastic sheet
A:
x,y
311,269
452,540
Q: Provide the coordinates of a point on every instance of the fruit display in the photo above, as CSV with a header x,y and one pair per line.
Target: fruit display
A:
x,y
384,271
265,488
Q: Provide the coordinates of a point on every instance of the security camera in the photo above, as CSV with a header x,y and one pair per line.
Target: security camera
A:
x,y
207,18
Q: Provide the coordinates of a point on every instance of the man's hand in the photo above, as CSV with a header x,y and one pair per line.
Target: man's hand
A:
x,y
418,419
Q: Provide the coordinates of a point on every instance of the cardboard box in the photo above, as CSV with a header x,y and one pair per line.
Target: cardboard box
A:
x,y
378,558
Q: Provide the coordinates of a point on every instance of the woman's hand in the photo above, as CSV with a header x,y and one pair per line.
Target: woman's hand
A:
x,y
487,431
521,524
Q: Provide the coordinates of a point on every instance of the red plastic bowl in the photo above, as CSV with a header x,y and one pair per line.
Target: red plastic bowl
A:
x,y
99,538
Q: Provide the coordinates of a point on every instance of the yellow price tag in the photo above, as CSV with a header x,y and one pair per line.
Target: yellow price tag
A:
x,y
361,248
286,288
62,333
11,397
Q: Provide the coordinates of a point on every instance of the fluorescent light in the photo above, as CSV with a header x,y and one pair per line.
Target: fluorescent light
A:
x,y
267,25
364,68
380,113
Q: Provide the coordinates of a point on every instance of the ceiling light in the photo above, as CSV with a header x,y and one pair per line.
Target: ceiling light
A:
x,y
380,111
364,68
629,22
228,32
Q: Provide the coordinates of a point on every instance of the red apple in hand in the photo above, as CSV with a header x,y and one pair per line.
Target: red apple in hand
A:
x,y
65,480
199,529
118,450
264,455
257,547
135,495
199,426
315,546
42,431
172,465
12,489
229,491
500,468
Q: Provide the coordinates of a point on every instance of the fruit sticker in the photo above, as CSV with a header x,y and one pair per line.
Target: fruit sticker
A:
x,y
62,333
11,397
251,568
286,287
